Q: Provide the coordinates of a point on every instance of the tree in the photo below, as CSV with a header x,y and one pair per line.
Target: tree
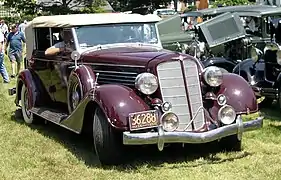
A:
x,y
230,2
126,5
49,7
21,6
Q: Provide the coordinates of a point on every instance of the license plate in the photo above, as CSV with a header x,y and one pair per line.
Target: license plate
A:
x,y
143,120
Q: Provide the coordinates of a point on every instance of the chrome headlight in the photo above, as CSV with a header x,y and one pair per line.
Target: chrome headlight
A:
x,y
227,114
170,121
146,83
213,76
278,56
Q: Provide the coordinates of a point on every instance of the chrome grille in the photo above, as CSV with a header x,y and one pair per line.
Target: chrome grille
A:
x,y
172,86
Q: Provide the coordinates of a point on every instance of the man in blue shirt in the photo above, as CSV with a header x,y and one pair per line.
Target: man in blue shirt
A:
x,y
14,41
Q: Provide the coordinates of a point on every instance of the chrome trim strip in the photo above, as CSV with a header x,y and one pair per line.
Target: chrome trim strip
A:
x,y
95,64
114,65
117,72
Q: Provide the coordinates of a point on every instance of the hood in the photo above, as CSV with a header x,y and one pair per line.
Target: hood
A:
x,y
132,56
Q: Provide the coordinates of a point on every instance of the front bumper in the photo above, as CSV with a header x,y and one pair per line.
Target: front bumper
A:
x,y
161,137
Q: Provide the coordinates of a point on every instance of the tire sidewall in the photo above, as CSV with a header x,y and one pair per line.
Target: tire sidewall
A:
x,y
27,119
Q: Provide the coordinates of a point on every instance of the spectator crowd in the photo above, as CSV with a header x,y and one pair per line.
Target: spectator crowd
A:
x,y
12,38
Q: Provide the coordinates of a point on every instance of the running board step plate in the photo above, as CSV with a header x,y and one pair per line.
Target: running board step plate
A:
x,y
49,114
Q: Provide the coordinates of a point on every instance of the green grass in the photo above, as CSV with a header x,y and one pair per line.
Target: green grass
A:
x,y
50,152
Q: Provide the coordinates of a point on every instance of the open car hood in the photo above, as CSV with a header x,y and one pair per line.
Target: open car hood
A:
x,y
222,29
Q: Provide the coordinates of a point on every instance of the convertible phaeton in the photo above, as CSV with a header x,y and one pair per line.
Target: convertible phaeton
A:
x,y
114,79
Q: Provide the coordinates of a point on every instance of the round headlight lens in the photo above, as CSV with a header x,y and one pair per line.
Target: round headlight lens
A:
x,y
213,76
146,83
227,114
221,99
166,106
278,56
254,54
170,121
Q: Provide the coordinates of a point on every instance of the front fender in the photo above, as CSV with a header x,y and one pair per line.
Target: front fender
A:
x,y
219,62
117,102
239,94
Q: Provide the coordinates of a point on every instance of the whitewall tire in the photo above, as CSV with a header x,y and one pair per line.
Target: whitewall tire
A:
x,y
27,115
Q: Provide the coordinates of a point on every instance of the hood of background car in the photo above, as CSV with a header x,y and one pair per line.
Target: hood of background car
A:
x,y
135,56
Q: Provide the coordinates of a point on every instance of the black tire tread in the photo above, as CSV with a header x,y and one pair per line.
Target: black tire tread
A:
x,y
108,143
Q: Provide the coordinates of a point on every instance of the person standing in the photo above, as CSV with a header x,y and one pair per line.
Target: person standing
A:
x,y
15,40
22,26
4,28
3,70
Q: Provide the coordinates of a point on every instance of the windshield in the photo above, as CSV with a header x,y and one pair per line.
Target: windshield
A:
x,y
89,36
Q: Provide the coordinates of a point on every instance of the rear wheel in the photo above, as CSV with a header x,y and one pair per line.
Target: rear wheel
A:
x,y
107,142
27,115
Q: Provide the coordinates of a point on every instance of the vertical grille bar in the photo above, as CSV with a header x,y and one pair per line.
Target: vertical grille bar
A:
x,y
195,93
173,90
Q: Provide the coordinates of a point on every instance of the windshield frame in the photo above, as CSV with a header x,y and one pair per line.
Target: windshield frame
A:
x,y
158,44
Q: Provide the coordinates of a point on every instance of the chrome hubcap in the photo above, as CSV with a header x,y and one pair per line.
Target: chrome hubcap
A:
x,y
26,104
75,97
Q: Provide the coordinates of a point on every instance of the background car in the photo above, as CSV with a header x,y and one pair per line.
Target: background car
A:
x,y
262,70
226,55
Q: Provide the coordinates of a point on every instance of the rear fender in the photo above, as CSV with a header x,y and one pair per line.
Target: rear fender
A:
x,y
25,77
238,94
219,62
117,102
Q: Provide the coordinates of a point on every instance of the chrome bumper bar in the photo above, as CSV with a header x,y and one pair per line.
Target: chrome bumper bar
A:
x,y
161,137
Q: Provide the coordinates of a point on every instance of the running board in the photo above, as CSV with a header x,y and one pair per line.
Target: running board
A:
x,y
49,114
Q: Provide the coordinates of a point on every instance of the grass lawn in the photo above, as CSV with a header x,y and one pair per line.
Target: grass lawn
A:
x,y
50,152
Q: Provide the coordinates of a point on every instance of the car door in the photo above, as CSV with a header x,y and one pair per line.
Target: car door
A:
x,y
41,65
62,67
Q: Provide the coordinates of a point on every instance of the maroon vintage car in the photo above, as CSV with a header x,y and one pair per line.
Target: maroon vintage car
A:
x,y
113,77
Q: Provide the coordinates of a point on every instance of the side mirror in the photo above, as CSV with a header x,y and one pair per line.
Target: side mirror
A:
x,y
75,55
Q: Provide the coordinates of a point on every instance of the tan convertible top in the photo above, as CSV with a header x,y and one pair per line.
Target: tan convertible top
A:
x,y
91,19
80,20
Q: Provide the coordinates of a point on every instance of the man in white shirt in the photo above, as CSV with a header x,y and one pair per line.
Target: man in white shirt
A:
x,y
3,70
4,28
22,26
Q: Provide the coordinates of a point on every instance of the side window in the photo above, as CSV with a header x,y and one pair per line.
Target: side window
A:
x,y
42,38
68,39
56,35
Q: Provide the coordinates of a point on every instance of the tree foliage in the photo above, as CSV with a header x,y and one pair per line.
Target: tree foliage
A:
x,y
127,5
50,7
230,2
21,6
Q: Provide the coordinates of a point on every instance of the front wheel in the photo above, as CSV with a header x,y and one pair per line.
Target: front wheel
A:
x,y
107,142
230,143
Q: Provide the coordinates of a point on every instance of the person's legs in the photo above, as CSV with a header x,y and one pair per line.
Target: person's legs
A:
x,y
13,63
3,70
18,57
